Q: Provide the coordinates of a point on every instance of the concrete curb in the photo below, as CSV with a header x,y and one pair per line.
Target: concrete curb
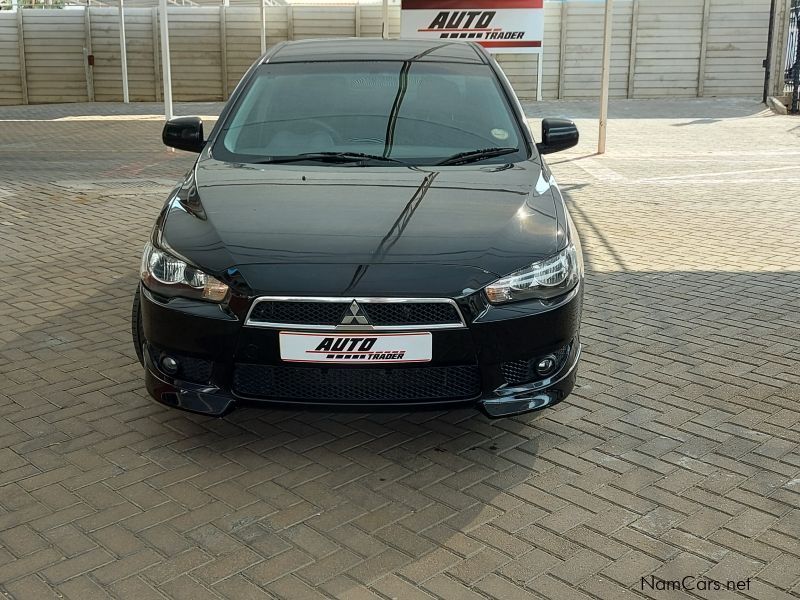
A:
x,y
777,105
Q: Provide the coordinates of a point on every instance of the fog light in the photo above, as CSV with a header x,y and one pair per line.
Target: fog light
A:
x,y
546,365
170,365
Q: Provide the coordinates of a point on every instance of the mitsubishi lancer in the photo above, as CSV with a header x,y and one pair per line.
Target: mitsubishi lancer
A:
x,y
369,225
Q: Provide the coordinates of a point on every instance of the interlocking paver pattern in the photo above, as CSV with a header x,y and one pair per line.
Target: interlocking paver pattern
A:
x,y
678,454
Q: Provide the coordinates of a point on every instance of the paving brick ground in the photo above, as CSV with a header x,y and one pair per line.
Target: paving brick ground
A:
x,y
677,455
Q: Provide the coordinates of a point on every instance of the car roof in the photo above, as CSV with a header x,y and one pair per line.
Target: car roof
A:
x,y
376,49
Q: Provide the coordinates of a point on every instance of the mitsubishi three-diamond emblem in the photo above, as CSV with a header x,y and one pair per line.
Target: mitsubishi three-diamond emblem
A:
x,y
355,315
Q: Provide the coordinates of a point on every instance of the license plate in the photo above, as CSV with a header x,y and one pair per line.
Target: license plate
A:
x,y
355,348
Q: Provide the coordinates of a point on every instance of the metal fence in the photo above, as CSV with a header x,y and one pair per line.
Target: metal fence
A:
x,y
683,48
792,62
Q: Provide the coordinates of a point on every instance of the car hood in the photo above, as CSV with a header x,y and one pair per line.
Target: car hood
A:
x,y
285,219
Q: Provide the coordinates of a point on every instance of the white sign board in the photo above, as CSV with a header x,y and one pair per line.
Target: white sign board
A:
x,y
507,26
355,347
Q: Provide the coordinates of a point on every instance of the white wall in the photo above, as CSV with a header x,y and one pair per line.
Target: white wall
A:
x,y
10,84
141,49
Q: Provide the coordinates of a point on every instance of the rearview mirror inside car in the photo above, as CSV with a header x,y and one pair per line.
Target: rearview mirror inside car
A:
x,y
557,135
184,133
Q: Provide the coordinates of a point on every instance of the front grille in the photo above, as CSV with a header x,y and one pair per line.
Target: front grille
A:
x,y
301,313
524,371
410,313
190,368
357,384
329,313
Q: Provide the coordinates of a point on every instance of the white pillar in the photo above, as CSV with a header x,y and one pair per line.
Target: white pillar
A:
x,y
263,27
606,70
165,68
385,19
123,54
539,71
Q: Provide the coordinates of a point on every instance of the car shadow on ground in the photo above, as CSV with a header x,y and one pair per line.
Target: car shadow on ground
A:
x,y
381,492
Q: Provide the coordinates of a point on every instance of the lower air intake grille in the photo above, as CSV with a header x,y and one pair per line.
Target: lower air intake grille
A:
x,y
196,370
357,384
524,371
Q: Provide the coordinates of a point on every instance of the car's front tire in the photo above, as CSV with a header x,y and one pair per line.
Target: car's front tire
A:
x,y
137,330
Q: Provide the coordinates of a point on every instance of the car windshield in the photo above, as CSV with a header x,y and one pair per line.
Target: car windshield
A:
x,y
396,113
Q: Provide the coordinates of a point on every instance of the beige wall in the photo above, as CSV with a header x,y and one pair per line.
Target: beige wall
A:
x,y
677,48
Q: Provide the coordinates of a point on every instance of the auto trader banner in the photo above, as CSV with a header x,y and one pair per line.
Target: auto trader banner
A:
x,y
507,26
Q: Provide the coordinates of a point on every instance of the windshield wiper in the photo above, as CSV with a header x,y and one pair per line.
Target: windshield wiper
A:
x,y
342,157
476,155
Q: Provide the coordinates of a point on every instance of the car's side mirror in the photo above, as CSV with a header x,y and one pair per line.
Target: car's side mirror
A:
x,y
184,133
557,135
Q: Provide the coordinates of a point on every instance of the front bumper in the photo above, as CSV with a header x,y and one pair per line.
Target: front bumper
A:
x,y
214,337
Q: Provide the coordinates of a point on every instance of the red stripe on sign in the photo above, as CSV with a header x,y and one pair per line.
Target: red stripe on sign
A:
x,y
510,44
485,29
467,4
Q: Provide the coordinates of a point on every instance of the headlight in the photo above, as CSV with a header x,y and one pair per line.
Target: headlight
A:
x,y
170,276
545,279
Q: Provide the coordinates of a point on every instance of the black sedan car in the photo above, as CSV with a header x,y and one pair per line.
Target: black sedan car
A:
x,y
369,225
